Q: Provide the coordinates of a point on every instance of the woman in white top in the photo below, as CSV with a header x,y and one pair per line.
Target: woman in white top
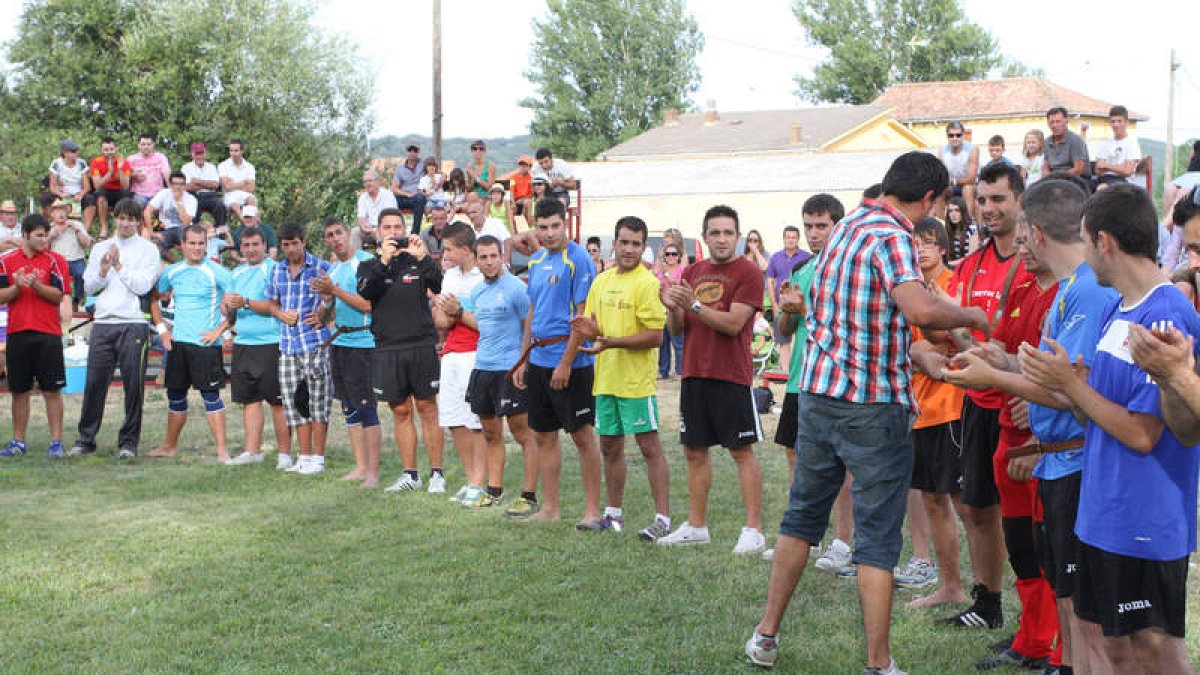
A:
x,y
70,179
1032,157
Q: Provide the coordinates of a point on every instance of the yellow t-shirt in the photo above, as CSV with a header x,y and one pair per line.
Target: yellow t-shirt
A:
x,y
624,305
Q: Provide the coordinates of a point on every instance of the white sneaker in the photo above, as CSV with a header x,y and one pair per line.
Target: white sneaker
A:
x,y
686,535
283,461
836,557
768,554
404,484
892,669
311,468
247,458
300,463
462,492
437,483
750,542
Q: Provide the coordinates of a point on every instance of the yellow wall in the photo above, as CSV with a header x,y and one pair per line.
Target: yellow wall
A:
x,y
881,134
1013,130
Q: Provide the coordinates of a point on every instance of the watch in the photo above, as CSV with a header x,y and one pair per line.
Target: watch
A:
x,y
696,306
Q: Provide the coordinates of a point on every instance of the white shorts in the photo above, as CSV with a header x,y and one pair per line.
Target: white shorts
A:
x,y
237,197
453,409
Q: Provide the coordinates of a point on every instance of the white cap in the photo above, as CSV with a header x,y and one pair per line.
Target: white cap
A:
x,y
250,211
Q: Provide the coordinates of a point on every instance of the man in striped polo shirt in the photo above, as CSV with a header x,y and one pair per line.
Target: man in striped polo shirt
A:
x,y
856,402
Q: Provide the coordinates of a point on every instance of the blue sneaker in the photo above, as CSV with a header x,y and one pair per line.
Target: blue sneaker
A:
x,y
56,450
14,448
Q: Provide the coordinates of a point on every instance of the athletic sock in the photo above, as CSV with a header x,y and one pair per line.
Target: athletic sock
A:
x,y
530,496
666,520
495,492
436,471
612,511
412,474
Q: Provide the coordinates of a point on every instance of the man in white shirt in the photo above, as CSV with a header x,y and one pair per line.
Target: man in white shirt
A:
x,y
237,178
484,225
205,184
175,208
1119,156
370,202
556,172
120,272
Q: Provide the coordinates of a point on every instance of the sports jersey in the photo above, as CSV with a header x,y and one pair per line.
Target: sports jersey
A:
x,y
198,292
982,274
1134,504
558,284
30,311
802,279
400,314
251,282
100,167
461,338
500,308
1024,313
624,305
937,402
345,277
1074,321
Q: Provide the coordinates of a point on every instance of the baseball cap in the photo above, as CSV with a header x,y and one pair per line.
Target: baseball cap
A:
x,y
498,186
8,206
199,147
250,211
525,159
68,145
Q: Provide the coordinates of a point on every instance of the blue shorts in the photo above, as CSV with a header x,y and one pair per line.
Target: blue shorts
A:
x,y
873,442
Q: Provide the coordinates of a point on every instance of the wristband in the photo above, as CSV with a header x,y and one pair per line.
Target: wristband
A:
x,y
160,328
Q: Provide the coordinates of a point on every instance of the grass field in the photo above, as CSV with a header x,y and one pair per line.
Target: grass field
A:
x,y
189,566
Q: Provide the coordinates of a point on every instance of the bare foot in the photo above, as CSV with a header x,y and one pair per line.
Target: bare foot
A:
x,y
353,475
369,482
939,597
162,452
544,517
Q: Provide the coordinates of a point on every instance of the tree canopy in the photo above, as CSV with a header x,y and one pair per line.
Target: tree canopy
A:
x,y
875,43
605,70
185,71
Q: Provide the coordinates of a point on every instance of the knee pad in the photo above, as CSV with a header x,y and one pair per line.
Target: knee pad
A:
x,y
177,400
1022,552
212,402
351,415
368,415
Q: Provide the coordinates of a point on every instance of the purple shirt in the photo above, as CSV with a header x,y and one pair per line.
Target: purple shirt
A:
x,y
779,267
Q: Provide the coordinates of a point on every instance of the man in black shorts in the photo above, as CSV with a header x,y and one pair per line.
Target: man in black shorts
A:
x,y
714,304
405,364
33,281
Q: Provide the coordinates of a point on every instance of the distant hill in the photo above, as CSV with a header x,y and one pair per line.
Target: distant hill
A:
x,y
1158,150
503,151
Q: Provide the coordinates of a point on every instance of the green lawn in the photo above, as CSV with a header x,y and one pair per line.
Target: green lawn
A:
x,y
189,566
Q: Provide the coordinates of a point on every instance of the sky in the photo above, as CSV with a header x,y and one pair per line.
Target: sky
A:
x,y
752,53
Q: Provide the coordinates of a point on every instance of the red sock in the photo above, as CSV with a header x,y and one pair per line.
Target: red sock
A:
x,y
1039,618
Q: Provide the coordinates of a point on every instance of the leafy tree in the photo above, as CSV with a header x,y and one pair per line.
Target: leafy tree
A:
x,y
606,69
875,43
194,70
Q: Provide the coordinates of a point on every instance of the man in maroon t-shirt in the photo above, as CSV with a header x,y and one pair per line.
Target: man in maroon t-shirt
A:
x,y
33,281
714,305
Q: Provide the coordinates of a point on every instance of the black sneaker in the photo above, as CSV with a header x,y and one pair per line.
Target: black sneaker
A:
x,y
985,612
1001,645
1012,657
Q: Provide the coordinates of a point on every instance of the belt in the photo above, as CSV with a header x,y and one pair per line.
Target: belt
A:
x,y
341,330
1038,447
533,344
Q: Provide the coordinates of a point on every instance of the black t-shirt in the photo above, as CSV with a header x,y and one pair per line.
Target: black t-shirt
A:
x,y
400,312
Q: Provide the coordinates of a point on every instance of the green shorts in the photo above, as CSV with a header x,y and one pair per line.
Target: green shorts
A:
x,y
617,416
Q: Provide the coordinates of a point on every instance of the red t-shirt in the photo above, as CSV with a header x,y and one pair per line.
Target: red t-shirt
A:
x,y
1024,316
522,185
707,353
30,311
986,288
100,169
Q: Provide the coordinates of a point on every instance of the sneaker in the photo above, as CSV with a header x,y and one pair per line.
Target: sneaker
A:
x,y
653,531
437,483
613,523
1012,657
686,535
1001,645
836,557
848,572
892,669
917,573
56,450
462,492
126,452
311,469
750,542
283,462
13,448
299,463
485,501
602,524
472,498
522,508
247,458
762,650
79,450
404,483
984,612
768,554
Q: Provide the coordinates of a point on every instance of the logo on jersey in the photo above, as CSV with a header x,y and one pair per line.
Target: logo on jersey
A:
x,y
409,278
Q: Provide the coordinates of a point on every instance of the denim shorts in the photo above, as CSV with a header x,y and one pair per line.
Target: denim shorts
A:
x,y
874,443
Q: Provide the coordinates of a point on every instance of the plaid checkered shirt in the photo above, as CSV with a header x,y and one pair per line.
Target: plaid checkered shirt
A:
x,y
295,294
858,340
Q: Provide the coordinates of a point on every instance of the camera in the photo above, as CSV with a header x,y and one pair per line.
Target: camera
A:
x,y
400,242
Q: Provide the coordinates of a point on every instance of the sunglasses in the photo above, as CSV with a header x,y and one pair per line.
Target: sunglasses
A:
x,y
477,148
671,254
753,241
954,135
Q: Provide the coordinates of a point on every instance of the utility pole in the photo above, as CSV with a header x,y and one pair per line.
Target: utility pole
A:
x,y
437,79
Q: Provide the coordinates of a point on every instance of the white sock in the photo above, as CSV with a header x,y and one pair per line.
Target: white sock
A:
x,y
612,511
666,520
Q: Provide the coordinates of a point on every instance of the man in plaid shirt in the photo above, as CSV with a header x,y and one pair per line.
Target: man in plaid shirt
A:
x,y
303,360
856,401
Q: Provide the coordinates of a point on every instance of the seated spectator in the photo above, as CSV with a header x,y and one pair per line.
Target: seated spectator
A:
x,y
483,224
406,185
1032,157
996,151
204,183
371,201
481,171
439,217
596,253
521,191
251,221
557,173
961,158
218,241
499,207
1118,157
1065,150
150,170
70,180
10,229
457,191
431,184
69,238
110,180
238,179
175,208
